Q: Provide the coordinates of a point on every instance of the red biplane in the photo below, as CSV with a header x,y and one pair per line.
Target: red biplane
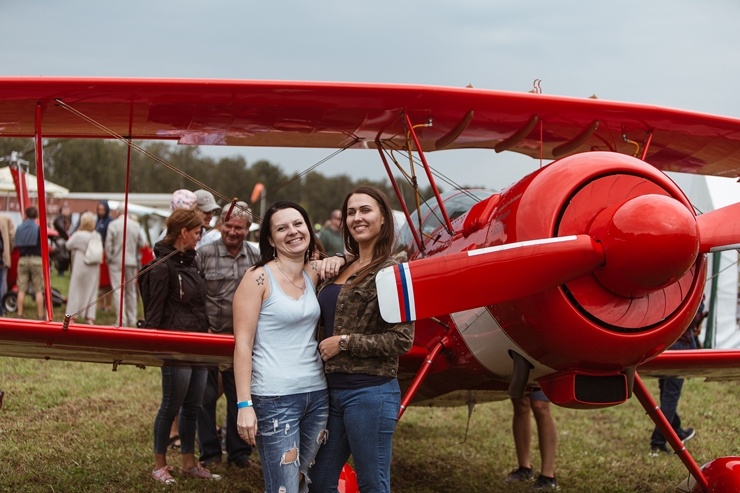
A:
x,y
575,279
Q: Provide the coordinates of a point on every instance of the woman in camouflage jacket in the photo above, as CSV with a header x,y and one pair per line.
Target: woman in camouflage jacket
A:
x,y
360,351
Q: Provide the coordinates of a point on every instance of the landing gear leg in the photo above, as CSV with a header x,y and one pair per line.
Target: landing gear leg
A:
x,y
652,409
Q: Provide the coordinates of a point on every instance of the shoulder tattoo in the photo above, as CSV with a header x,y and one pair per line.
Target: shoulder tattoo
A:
x,y
260,279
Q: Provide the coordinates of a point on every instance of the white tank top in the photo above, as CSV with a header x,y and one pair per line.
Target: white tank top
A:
x,y
285,358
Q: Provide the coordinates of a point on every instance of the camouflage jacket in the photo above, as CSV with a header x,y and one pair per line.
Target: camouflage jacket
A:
x,y
373,345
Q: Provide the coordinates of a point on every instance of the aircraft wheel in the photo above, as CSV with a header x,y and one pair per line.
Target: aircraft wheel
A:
x,y
722,475
10,302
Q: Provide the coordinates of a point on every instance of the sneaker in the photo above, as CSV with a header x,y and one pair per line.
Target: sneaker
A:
x,y
202,473
658,450
545,483
163,475
686,434
520,474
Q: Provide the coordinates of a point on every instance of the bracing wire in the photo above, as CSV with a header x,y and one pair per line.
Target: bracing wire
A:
x,y
69,316
174,169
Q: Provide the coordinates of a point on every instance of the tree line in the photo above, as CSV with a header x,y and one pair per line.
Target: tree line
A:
x,y
99,166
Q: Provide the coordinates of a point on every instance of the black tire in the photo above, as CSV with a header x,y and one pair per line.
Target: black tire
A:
x,y
10,302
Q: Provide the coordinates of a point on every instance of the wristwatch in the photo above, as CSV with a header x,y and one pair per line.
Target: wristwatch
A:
x,y
340,255
343,341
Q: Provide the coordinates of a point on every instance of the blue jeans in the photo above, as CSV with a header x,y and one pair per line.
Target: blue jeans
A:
x,y
361,423
182,392
208,440
288,423
670,393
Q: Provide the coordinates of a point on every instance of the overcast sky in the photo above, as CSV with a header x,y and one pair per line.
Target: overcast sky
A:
x,y
676,53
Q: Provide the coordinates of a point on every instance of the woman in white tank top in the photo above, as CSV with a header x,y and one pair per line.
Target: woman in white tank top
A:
x,y
281,389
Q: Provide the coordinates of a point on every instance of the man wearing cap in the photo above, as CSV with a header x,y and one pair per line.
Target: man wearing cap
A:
x,y
207,205
222,263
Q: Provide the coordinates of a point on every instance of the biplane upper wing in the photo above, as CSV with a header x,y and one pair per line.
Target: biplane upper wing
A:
x,y
338,115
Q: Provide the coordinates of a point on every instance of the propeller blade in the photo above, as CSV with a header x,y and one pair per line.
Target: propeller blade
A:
x,y
460,281
720,229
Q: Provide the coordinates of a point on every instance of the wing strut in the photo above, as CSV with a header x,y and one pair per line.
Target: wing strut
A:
x,y
41,200
432,183
121,293
414,232
421,375
652,410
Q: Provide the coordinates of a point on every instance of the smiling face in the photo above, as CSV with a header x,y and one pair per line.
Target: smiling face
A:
x,y
364,218
234,232
289,233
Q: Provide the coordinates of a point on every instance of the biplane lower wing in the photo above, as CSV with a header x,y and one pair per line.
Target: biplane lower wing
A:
x,y
111,345
712,364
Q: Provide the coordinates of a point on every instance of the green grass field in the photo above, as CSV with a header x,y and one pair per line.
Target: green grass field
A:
x,y
78,427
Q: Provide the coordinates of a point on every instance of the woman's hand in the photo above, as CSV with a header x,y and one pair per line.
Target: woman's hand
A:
x,y
329,347
329,267
246,425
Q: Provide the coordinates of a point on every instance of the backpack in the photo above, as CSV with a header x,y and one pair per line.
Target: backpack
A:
x,y
94,250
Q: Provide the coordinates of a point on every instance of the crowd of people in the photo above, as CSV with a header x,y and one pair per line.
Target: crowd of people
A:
x,y
314,375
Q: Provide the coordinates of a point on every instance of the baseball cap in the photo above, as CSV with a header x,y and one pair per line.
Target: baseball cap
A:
x,y
182,199
206,202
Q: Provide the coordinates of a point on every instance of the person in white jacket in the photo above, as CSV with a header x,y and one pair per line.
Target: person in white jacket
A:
x,y
115,258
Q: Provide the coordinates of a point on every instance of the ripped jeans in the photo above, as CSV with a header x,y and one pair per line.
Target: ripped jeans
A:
x,y
290,430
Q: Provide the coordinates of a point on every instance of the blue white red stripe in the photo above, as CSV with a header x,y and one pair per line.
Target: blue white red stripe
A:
x,y
406,293
396,293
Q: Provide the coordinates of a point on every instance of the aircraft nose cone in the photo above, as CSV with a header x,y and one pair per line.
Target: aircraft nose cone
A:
x,y
649,242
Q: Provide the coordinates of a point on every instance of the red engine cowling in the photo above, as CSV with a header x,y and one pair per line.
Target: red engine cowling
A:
x,y
626,311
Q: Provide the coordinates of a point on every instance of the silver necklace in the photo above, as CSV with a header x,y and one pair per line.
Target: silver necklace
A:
x,y
277,262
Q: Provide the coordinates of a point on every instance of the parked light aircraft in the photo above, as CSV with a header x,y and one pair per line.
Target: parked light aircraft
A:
x,y
575,279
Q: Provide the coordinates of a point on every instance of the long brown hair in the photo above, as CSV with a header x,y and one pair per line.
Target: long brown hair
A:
x,y
384,245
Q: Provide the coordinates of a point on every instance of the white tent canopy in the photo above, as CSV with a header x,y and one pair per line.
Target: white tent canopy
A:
x,y
8,186
708,193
